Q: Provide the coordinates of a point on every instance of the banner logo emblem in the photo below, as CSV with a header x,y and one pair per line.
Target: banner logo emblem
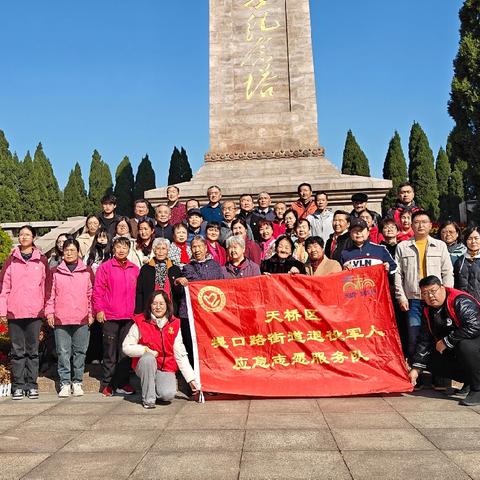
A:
x,y
357,283
212,299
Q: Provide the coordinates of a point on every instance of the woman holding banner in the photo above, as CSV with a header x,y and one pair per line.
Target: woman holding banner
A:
x,y
155,343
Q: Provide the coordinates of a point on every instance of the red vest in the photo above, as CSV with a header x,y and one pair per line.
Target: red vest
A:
x,y
452,294
159,339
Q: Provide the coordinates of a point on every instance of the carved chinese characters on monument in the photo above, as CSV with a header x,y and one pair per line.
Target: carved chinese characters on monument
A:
x,y
259,29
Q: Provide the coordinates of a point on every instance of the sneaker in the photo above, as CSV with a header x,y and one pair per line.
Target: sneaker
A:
x,y
77,390
107,391
64,391
32,393
95,362
148,406
472,399
125,390
17,394
465,390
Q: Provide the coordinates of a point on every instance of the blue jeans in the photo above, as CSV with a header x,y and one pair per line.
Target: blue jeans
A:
x,y
415,314
72,344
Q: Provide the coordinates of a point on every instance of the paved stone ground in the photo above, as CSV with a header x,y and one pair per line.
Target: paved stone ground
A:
x,y
426,435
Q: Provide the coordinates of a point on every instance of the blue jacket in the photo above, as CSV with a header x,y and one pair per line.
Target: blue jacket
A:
x,y
366,255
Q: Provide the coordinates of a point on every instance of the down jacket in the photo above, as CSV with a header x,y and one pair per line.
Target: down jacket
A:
x,y
70,296
24,285
458,319
467,275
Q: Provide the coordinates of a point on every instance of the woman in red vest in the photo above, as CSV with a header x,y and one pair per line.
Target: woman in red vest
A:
x,y
155,343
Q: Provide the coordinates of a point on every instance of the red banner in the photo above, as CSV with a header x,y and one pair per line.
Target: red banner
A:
x,y
298,336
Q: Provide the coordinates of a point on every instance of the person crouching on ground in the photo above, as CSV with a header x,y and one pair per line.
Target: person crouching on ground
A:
x,y
155,343
449,342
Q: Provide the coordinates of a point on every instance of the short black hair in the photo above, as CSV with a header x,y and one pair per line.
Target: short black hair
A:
x,y
315,239
342,212
148,306
304,184
419,213
109,198
405,184
142,200
429,281
33,230
71,241
321,193
288,239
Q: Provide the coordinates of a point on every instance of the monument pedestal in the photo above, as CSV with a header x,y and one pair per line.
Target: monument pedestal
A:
x,y
280,177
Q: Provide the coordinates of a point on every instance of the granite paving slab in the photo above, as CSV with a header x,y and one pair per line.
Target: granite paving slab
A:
x,y
14,466
293,421
293,465
18,440
87,466
288,440
188,466
454,438
402,465
199,441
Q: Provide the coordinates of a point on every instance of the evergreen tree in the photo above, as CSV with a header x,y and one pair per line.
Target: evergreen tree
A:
x,y
443,173
99,183
180,170
50,207
422,171
145,178
464,104
75,195
124,184
9,170
29,192
394,169
355,161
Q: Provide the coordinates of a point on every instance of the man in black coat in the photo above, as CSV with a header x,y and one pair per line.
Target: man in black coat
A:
x,y
449,343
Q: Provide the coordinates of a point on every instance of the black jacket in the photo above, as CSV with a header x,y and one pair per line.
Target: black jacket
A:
x,y
277,265
464,325
343,241
467,275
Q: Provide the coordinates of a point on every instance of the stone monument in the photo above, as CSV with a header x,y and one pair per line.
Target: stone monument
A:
x,y
263,109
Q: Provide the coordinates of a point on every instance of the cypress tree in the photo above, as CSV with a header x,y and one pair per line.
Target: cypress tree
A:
x,y
99,182
145,178
180,170
355,161
464,104
422,171
75,195
124,184
29,192
442,171
394,169
51,198
9,170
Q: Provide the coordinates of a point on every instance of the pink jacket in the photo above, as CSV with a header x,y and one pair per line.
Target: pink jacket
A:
x,y
24,285
70,297
114,289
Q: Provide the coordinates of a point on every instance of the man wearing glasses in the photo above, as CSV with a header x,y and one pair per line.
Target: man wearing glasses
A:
x,y
449,342
418,258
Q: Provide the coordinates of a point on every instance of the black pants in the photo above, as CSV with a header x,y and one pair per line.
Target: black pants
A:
x,y
94,351
24,352
116,365
462,363
187,339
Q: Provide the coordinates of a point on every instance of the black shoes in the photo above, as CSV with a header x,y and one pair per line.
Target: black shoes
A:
x,y
472,399
32,393
17,394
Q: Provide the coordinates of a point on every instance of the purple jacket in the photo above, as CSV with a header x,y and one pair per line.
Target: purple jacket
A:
x,y
114,289
24,286
246,269
196,271
70,297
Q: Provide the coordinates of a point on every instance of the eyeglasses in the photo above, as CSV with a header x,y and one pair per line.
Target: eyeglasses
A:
x,y
430,293
473,239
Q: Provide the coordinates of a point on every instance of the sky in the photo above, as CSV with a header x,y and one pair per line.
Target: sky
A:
x,y
130,78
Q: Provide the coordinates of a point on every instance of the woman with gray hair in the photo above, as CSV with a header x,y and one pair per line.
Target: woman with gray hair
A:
x,y
158,274
238,266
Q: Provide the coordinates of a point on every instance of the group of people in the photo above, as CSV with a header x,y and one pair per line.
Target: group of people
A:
x,y
117,291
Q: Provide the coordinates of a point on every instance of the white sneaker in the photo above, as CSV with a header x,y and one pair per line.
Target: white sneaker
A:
x,y
64,391
77,390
